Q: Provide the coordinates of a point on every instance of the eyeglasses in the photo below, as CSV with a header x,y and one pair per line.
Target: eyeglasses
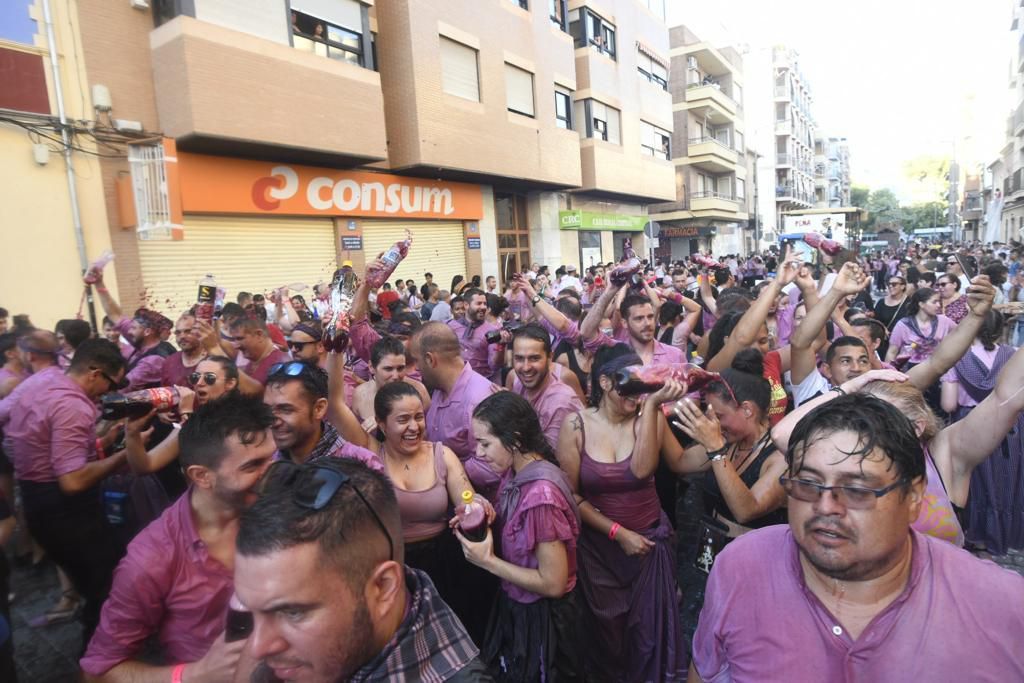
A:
x,y
114,384
896,283
292,368
852,497
209,378
298,346
313,486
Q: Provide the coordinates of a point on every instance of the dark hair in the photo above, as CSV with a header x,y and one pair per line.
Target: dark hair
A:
x,y
536,333
342,528
991,330
878,331
929,277
475,281
570,307
248,323
242,296
723,328
630,301
8,341
845,340
387,395
496,304
953,279
455,282
75,331
3,312
996,273
920,296
721,275
670,310
913,274
468,293
385,346
313,379
877,423
226,364
512,419
232,310
100,354
201,440
607,361
746,381
733,299
106,320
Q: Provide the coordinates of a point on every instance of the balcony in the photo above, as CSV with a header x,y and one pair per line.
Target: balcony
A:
x,y
790,194
219,89
711,155
783,160
784,127
700,99
782,93
714,205
1018,120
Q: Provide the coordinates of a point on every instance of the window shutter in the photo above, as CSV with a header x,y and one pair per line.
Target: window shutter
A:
x,y
519,87
459,70
614,134
347,13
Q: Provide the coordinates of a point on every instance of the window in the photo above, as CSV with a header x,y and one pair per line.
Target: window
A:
x,y
557,9
657,7
602,122
652,70
739,141
654,141
519,90
521,3
741,188
459,75
563,108
737,94
588,28
331,29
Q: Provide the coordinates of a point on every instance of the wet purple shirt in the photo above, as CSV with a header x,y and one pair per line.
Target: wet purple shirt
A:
x,y
958,619
174,372
553,403
167,585
147,371
450,421
663,353
49,426
484,358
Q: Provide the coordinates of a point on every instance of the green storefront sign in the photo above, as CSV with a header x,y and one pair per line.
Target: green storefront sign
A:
x,y
587,220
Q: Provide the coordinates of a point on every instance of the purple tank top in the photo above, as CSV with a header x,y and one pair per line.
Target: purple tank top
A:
x,y
613,489
425,513
937,517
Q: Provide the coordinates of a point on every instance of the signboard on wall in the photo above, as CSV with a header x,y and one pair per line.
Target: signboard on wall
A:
x,y
588,220
830,224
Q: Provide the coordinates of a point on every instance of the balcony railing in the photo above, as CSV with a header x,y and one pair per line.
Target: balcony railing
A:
x,y
710,194
788,191
783,160
782,91
784,127
1018,118
705,138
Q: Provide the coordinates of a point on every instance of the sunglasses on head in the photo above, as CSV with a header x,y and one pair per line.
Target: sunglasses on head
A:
x,y
209,378
292,368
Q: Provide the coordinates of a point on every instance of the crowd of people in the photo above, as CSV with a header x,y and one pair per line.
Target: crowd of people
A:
x,y
851,428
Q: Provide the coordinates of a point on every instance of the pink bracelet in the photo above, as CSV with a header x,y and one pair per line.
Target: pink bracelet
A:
x,y
176,673
614,530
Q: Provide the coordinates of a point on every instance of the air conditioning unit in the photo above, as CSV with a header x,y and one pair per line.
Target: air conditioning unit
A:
x,y
139,4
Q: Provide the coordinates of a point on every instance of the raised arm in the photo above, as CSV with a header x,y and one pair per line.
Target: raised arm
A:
x,y
707,295
652,429
338,412
110,305
591,326
952,348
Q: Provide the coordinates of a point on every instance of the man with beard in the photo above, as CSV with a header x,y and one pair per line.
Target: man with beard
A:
x,y
638,316
552,399
471,329
175,581
856,593
144,331
180,364
388,364
320,565
250,337
296,395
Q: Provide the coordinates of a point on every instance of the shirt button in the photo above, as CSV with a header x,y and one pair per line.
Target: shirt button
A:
x,y
838,630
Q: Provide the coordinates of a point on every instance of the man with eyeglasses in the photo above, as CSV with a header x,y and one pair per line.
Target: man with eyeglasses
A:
x,y
175,582
180,364
855,592
50,435
320,565
297,395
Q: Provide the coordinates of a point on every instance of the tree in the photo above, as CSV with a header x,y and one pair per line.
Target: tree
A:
x,y
859,196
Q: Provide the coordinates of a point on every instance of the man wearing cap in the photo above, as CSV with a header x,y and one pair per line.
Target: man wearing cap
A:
x,y
567,281
144,332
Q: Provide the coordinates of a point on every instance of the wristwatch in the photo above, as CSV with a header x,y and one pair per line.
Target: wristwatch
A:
x,y
535,299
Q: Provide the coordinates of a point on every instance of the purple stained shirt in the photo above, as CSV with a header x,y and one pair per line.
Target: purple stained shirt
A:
x,y
542,516
916,346
49,426
553,403
663,353
147,371
450,421
259,370
167,585
571,334
958,619
485,359
174,372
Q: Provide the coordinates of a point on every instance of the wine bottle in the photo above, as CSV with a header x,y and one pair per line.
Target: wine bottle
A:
x,y
646,379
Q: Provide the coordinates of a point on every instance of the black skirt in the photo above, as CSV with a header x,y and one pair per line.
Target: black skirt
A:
x,y
539,641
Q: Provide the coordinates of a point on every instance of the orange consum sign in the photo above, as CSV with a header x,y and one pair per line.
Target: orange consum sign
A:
x,y
224,185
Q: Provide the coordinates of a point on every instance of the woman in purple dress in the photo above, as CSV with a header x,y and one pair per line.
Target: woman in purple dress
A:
x,y
995,506
610,452
533,634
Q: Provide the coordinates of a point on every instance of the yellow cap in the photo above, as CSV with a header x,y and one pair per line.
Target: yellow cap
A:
x,y
346,263
467,496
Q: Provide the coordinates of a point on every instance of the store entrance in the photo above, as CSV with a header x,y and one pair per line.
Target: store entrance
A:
x,y
513,234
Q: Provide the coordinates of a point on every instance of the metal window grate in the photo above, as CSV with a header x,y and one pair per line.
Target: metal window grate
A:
x,y
149,188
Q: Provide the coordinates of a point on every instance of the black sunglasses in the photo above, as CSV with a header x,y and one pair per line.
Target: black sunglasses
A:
x,y
298,346
209,378
114,384
313,486
291,368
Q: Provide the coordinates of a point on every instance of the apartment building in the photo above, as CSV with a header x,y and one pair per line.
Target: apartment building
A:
x,y
714,168
831,172
52,209
272,139
1005,174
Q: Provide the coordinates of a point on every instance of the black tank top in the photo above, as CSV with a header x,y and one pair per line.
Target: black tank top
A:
x,y
570,351
714,502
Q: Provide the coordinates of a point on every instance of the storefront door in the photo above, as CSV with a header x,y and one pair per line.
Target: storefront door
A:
x,y
513,234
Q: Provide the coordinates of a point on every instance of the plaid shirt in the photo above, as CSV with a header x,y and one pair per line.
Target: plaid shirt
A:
x,y
430,645
333,445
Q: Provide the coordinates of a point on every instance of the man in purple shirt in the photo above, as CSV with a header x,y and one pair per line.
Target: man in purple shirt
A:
x,y
471,330
848,591
175,581
49,426
179,365
551,398
250,336
639,319
455,392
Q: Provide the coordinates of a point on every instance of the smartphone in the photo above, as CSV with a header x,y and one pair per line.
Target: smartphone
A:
x,y
968,265
801,251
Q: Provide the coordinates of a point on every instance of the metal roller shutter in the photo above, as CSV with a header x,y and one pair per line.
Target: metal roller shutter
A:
x,y
243,254
437,248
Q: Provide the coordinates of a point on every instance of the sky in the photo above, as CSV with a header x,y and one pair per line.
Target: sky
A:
x,y
898,78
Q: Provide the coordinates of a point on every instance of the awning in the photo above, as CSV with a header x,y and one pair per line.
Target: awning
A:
x,y
650,52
